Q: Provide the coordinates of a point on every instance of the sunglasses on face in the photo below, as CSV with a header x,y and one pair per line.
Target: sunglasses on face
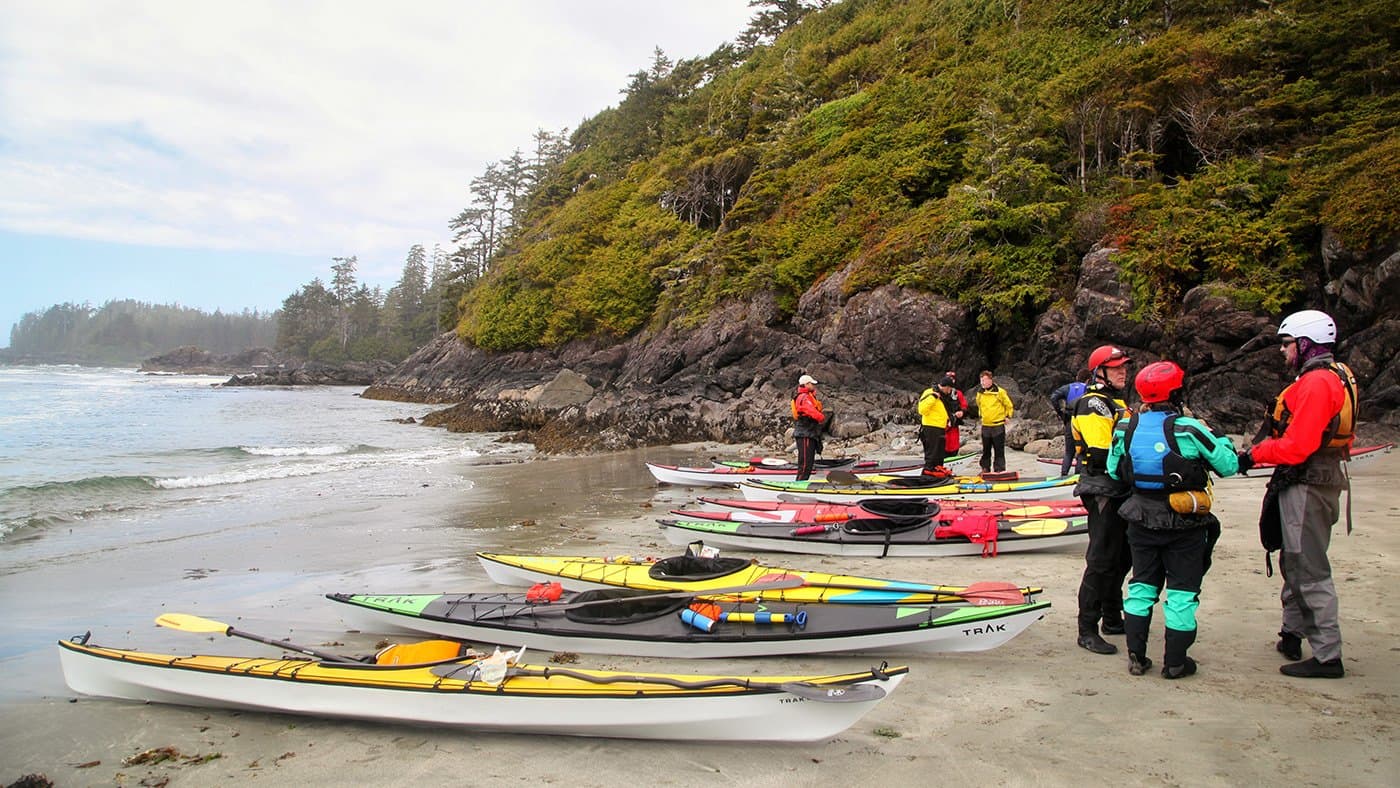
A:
x,y
1286,341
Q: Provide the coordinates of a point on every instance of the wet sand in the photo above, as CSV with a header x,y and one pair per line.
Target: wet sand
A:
x,y
1037,711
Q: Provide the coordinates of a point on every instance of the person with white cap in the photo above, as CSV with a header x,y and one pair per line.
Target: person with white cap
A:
x,y
809,422
1310,433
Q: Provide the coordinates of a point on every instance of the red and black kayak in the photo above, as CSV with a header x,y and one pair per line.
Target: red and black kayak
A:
x,y
947,532
897,509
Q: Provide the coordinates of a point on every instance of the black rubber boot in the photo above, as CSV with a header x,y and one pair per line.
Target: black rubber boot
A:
x,y
1310,668
1181,671
1138,665
1092,641
1290,646
1112,627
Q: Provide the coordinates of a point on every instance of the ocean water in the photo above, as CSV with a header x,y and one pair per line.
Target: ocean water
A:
x,y
123,496
83,448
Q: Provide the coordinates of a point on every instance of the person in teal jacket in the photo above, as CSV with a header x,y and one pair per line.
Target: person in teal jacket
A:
x,y
1166,457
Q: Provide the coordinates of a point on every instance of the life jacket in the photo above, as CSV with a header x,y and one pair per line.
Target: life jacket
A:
x,y
1076,390
1152,459
798,396
1341,430
1093,430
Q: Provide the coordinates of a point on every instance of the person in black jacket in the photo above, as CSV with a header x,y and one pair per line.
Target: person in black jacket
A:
x,y
1062,401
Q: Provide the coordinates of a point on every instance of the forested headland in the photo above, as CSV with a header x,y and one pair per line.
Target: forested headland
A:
x,y
971,149
872,190
127,331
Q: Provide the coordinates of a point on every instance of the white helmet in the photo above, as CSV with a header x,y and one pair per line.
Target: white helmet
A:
x,y
1310,323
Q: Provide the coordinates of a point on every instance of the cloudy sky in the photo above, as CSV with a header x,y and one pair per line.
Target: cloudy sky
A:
x,y
219,154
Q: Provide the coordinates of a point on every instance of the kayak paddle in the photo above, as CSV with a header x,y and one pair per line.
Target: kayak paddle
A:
x,y
185,622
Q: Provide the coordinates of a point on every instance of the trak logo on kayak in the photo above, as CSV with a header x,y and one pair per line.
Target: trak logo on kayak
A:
x,y
984,630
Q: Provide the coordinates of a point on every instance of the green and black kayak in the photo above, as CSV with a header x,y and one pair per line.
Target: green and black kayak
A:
x,y
678,624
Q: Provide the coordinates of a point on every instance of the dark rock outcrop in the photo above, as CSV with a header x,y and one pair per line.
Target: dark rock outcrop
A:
x,y
730,377
191,360
315,373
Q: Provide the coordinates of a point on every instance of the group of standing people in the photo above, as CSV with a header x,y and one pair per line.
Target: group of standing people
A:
x,y
1145,484
942,407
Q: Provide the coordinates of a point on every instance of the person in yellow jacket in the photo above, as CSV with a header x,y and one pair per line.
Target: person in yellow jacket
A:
x,y
994,408
1108,558
934,422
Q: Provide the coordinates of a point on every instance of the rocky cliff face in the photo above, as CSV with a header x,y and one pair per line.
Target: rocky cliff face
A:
x,y
730,378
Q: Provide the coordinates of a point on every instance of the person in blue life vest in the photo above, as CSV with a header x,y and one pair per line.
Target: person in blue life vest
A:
x,y
935,419
809,421
994,408
1166,457
1310,432
1107,558
1062,402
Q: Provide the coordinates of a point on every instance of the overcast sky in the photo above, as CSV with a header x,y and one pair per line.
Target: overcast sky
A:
x,y
219,154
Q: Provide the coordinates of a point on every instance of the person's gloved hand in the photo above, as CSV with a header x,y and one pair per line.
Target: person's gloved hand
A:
x,y
1246,460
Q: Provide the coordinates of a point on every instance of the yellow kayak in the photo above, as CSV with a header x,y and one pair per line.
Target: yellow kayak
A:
x,y
690,573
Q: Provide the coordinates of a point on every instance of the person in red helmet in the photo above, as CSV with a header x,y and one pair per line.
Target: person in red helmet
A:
x,y
1106,559
1310,432
1166,457
808,424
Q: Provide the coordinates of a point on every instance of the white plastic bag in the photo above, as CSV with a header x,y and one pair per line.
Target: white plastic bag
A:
x,y
492,670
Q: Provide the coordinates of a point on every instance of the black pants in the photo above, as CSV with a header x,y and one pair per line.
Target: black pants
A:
x,y
807,449
1173,561
1106,563
935,441
994,440
1068,461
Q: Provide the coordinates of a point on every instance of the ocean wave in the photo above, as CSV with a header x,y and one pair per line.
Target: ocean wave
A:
x,y
307,451
57,503
60,502
105,484
244,475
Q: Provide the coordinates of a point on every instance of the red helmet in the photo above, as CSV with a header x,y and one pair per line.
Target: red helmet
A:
x,y
1107,356
1158,380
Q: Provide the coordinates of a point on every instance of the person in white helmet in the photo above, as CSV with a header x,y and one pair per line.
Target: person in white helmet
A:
x,y
1310,432
808,423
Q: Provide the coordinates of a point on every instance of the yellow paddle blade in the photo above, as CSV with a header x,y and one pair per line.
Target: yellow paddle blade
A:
x,y
1027,511
188,623
1041,527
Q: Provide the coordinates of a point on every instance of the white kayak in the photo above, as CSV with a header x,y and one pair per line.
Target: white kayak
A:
x,y
529,699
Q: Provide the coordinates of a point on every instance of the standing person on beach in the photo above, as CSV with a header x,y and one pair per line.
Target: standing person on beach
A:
x,y
1106,559
1310,433
952,377
935,419
994,407
1062,401
1166,457
809,421
956,404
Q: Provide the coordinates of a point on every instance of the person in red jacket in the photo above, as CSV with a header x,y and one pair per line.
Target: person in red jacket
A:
x,y
1310,434
809,421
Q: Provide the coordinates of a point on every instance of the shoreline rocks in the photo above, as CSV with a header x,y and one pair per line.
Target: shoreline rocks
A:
x,y
730,377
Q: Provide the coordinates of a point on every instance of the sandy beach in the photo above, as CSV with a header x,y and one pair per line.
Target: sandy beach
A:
x,y
1037,711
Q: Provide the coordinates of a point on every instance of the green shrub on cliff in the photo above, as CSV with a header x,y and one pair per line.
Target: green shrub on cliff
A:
x,y
975,150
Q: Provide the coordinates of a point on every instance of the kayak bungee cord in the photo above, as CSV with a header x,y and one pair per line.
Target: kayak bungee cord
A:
x,y
842,692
